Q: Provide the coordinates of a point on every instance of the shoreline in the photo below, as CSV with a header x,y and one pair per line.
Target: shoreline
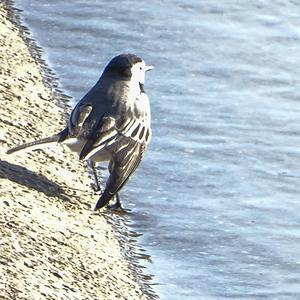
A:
x,y
53,245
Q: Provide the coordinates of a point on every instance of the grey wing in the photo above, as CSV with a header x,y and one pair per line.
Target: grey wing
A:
x,y
126,138
111,129
127,149
127,155
129,146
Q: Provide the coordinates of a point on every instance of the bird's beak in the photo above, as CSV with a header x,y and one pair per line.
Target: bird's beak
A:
x,y
148,68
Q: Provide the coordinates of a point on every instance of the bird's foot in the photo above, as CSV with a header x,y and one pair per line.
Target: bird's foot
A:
x,y
116,207
96,188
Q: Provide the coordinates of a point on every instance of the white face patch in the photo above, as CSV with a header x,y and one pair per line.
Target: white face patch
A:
x,y
138,72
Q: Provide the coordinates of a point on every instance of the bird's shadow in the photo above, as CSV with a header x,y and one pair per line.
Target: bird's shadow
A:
x,y
31,180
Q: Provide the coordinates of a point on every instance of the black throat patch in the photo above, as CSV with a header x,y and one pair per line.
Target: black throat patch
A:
x,y
142,88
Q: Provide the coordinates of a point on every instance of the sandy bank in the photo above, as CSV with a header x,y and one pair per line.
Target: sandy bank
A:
x,y
53,246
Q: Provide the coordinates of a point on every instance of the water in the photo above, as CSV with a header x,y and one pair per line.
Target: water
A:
x,y
217,196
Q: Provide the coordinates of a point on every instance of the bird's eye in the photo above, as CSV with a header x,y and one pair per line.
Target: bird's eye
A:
x,y
141,68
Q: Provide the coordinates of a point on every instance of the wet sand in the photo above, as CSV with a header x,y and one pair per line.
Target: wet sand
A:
x,y
53,246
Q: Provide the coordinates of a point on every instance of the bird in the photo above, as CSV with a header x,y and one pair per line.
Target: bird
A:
x,y
112,123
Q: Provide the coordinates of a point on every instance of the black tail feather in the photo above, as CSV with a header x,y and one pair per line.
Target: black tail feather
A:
x,y
58,138
47,140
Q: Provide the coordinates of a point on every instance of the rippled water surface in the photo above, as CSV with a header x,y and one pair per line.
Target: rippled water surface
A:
x,y
217,196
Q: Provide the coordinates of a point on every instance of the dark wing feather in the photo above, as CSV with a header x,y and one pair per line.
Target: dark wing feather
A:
x,y
103,134
127,122
125,160
127,155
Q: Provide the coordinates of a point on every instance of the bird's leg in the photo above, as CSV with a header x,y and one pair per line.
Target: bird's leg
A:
x,y
117,205
97,187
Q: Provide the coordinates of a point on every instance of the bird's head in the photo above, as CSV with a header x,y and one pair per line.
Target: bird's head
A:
x,y
127,67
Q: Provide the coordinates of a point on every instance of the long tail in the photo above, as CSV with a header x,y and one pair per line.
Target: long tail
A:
x,y
35,144
39,144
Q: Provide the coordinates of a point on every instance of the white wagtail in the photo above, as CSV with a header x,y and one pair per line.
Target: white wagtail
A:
x,y
110,123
